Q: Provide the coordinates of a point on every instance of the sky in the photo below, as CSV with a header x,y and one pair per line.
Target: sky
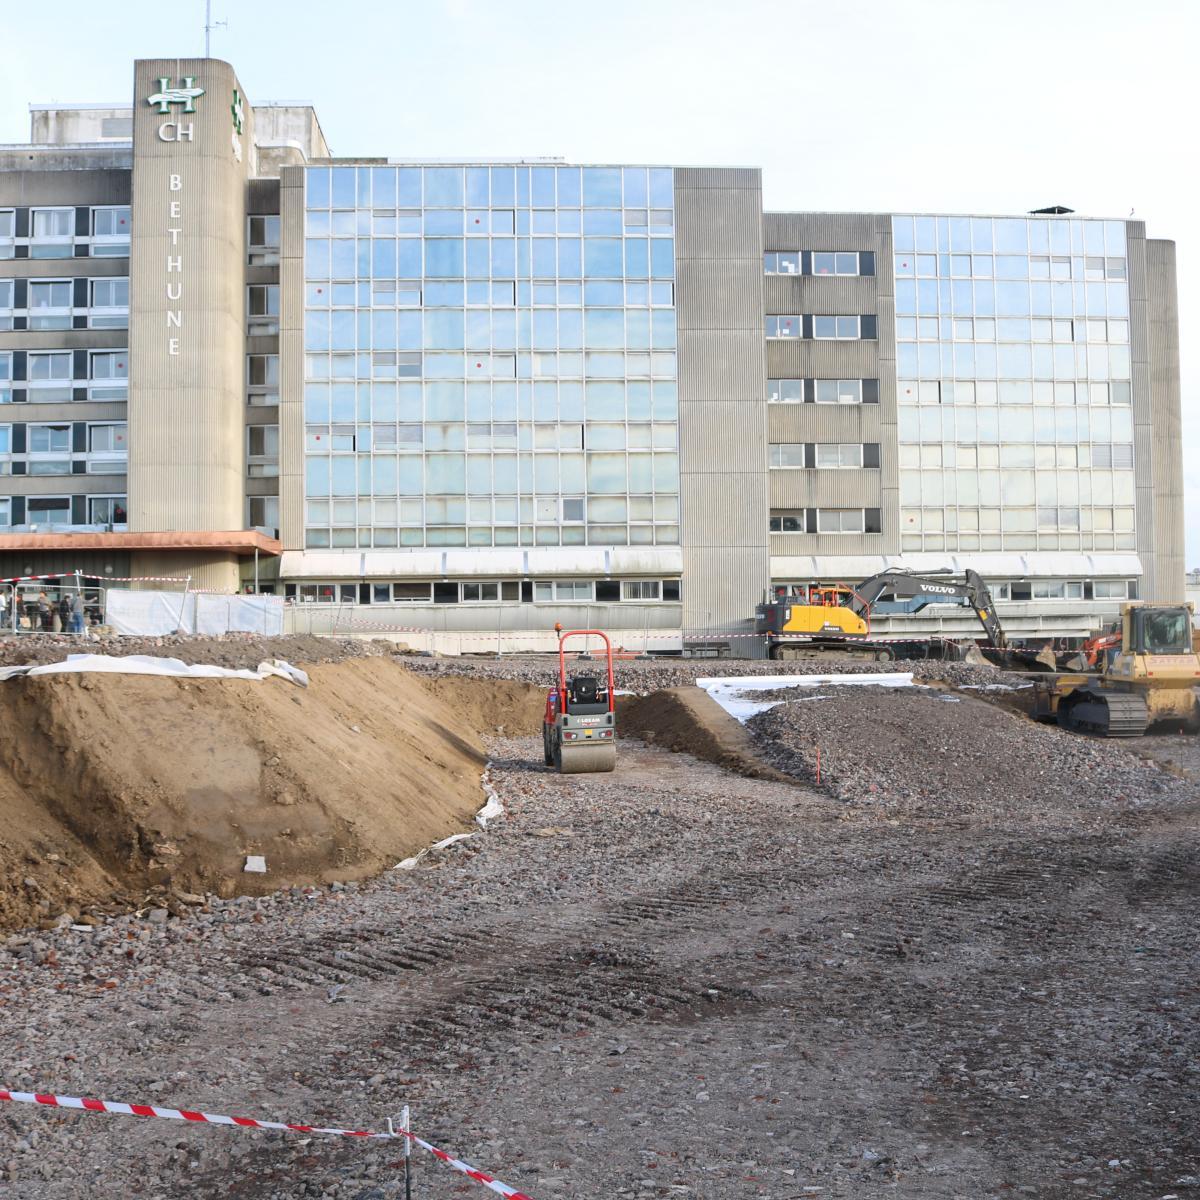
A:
x,y
991,106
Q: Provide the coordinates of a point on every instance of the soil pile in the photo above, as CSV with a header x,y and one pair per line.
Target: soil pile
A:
x,y
917,750
111,786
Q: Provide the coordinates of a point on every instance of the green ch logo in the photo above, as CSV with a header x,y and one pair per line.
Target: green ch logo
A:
x,y
167,95
239,112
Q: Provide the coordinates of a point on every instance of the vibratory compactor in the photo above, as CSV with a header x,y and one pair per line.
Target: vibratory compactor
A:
x,y
579,730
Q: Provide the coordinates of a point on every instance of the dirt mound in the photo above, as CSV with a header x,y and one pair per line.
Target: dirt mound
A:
x,y
113,785
688,720
923,751
502,706
235,650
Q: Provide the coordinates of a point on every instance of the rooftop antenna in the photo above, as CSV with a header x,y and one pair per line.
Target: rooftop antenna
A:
x,y
209,26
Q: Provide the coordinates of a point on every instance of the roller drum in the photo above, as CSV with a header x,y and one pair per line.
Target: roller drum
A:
x,y
588,758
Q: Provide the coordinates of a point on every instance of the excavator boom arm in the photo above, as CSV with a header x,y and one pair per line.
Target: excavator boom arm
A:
x,y
931,590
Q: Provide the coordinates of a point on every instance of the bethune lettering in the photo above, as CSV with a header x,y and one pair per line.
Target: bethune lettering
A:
x,y
174,264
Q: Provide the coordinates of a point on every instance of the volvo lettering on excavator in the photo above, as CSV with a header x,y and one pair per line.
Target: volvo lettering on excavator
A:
x,y
839,617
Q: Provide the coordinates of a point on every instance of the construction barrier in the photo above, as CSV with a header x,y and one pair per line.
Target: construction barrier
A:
x,y
183,1114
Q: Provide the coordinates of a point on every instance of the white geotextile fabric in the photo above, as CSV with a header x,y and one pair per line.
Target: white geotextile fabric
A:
x,y
146,664
729,693
156,614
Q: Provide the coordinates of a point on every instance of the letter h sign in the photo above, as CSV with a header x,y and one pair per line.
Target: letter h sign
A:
x,y
168,95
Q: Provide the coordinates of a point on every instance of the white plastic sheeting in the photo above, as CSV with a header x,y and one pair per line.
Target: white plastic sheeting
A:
x,y
146,664
730,693
157,614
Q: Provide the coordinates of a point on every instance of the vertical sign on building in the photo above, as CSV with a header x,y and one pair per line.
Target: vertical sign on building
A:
x,y
187,297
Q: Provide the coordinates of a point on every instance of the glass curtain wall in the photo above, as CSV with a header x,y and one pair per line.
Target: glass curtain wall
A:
x,y
1014,399
490,356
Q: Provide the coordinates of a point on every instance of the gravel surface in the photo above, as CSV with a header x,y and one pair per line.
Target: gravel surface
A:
x,y
235,650
641,675
913,750
669,981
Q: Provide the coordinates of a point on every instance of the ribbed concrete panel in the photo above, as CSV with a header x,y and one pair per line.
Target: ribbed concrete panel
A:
x,y
1139,349
824,294
824,423
215,571
60,485
840,360
824,489
713,439
717,223
1167,581
722,397
187,308
65,186
721,365
714,291
710,495
818,231
291,358
789,545
71,410
65,339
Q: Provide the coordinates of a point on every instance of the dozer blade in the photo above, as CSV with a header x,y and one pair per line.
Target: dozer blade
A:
x,y
1109,714
588,758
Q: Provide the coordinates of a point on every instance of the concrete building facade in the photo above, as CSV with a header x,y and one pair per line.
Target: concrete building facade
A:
x,y
489,396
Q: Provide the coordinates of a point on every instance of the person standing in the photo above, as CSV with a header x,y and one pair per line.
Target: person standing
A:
x,y
44,612
77,612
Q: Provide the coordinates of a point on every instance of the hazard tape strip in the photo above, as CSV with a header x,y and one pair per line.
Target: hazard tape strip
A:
x,y
183,1114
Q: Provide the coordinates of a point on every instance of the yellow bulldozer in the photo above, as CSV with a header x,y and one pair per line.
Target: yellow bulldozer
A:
x,y
1151,679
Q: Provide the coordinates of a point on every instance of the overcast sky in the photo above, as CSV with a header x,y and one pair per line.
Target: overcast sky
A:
x,y
885,105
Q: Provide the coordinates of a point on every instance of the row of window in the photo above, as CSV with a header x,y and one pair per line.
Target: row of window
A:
x,y
819,262
484,187
66,448
64,232
40,511
98,303
51,376
1011,329
494,222
1016,590
502,258
450,536
1011,266
1008,235
491,435
495,293
986,392
1009,424
486,510
1010,298
495,591
825,520
831,328
1012,360
1040,457
412,364
1042,519
823,391
822,455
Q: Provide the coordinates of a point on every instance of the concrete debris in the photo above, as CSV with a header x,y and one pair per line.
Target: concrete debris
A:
x,y
256,864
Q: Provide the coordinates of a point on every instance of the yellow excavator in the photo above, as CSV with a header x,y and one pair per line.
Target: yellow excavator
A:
x,y
1152,678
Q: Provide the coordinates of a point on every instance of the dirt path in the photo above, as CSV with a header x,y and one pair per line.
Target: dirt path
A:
x,y
671,981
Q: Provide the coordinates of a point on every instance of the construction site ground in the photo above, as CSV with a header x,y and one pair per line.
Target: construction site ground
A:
x,y
688,978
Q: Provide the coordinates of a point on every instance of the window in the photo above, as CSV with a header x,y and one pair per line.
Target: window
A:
x,y
848,520
786,262
836,263
1162,631
107,510
109,444
6,303
8,229
562,590
262,448
52,232
395,366
109,374
49,304
1111,589
110,232
838,391
49,439
641,589
787,454
480,592
263,242
109,303
48,510
839,454
263,514
262,308
787,522
50,375
785,391
262,379
5,376
784,327
837,328
412,593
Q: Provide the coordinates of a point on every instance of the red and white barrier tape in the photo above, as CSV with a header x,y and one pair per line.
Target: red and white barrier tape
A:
x,y
183,1114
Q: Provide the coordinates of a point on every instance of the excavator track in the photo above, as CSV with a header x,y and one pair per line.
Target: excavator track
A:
x,y
1102,712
